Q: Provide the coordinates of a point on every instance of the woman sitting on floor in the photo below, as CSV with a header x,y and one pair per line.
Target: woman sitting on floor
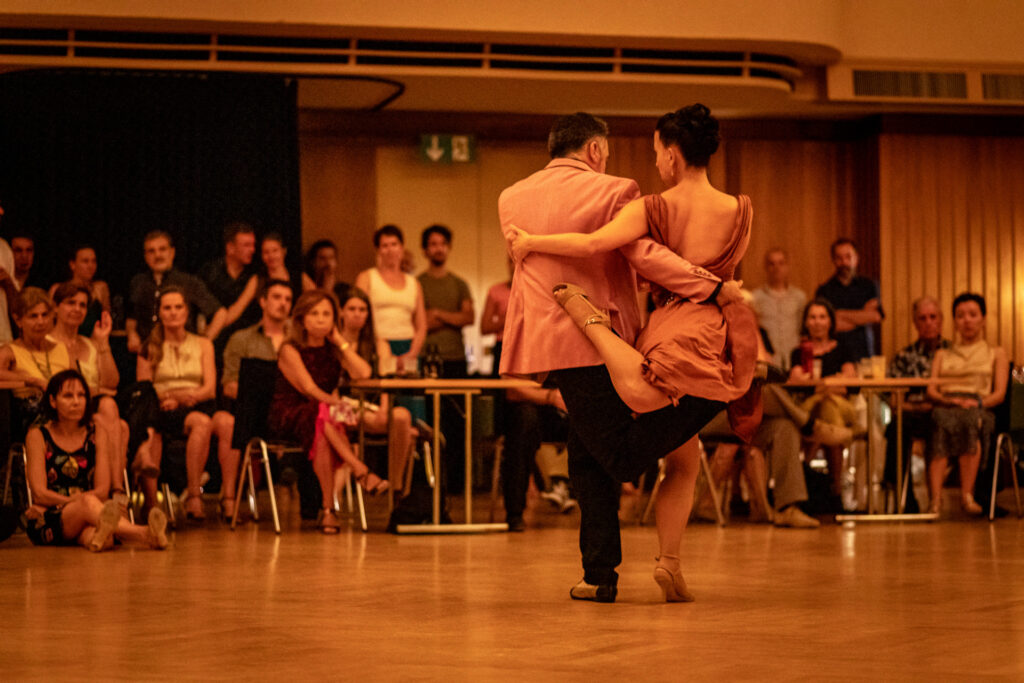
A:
x,y
69,474
310,364
963,408
181,366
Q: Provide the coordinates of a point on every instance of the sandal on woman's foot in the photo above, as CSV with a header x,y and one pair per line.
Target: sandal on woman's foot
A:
x,y
194,511
969,505
157,524
372,484
669,577
328,523
577,304
227,508
110,515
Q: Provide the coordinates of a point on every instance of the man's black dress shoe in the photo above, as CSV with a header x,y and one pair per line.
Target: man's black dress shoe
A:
x,y
516,523
598,593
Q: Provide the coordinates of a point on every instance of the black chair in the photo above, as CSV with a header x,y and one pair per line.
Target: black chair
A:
x,y
1010,429
252,407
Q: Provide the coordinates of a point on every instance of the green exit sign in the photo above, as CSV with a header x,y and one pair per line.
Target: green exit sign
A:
x,y
447,149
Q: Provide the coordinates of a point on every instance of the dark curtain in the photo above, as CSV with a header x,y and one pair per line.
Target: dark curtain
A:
x,y
104,157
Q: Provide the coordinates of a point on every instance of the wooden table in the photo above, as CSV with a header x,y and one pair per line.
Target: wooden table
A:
x,y
436,388
897,387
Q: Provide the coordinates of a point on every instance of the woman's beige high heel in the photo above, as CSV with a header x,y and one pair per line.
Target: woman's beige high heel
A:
x,y
668,575
577,304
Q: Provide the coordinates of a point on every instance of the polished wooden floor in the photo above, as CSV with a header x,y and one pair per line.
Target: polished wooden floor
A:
x,y
882,602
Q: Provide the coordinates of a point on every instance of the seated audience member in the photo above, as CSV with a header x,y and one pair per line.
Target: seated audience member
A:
x,y
69,475
778,305
854,299
396,298
34,357
357,329
158,251
274,267
180,366
492,321
532,416
95,361
915,360
310,364
232,280
8,291
825,405
263,340
83,269
322,269
23,246
963,416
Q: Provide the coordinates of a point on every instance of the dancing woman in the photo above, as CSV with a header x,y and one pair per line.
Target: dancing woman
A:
x,y
702,355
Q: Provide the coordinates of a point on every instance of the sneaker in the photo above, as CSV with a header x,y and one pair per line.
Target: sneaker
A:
x,y
598,593
557,495
795,518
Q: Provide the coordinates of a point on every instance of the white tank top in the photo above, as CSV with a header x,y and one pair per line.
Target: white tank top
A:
x,y
392,308
181,367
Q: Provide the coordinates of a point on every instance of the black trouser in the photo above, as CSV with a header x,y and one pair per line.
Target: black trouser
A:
x,y
608,446
453,426
916,425
527,425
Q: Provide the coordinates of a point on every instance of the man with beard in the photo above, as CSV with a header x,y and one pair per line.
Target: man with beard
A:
x,y
855,300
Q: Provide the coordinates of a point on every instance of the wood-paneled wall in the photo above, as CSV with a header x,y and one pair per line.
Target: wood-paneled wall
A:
x,y
952,220
933,214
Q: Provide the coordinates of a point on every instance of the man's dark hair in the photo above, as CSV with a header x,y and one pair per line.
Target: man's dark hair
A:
x,y
157,234
21,235
389,229
439,229
265,288
234,229
840,242
571,132
964,297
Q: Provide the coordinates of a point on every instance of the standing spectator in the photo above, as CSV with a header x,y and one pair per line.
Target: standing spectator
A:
x,y
232,280
7,289
448,304
274,267
83,269
855,300
778,305
492,321
915,361
964,421
322,269
396,298
145,289
23,247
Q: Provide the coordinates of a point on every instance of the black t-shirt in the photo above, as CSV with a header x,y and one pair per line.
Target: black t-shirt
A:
x,y
860,341
831,362
227,290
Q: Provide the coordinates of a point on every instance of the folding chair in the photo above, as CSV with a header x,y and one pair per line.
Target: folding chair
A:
x,y
252,407
1005,448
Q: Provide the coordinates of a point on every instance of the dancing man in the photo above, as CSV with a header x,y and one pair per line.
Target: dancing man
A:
x,y
608,444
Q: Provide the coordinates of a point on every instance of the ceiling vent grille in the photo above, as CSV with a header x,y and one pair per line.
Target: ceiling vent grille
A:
x,y
1003,87
327,56
912,84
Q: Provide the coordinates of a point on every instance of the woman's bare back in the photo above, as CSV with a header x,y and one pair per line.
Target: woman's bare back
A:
x,y
701,221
